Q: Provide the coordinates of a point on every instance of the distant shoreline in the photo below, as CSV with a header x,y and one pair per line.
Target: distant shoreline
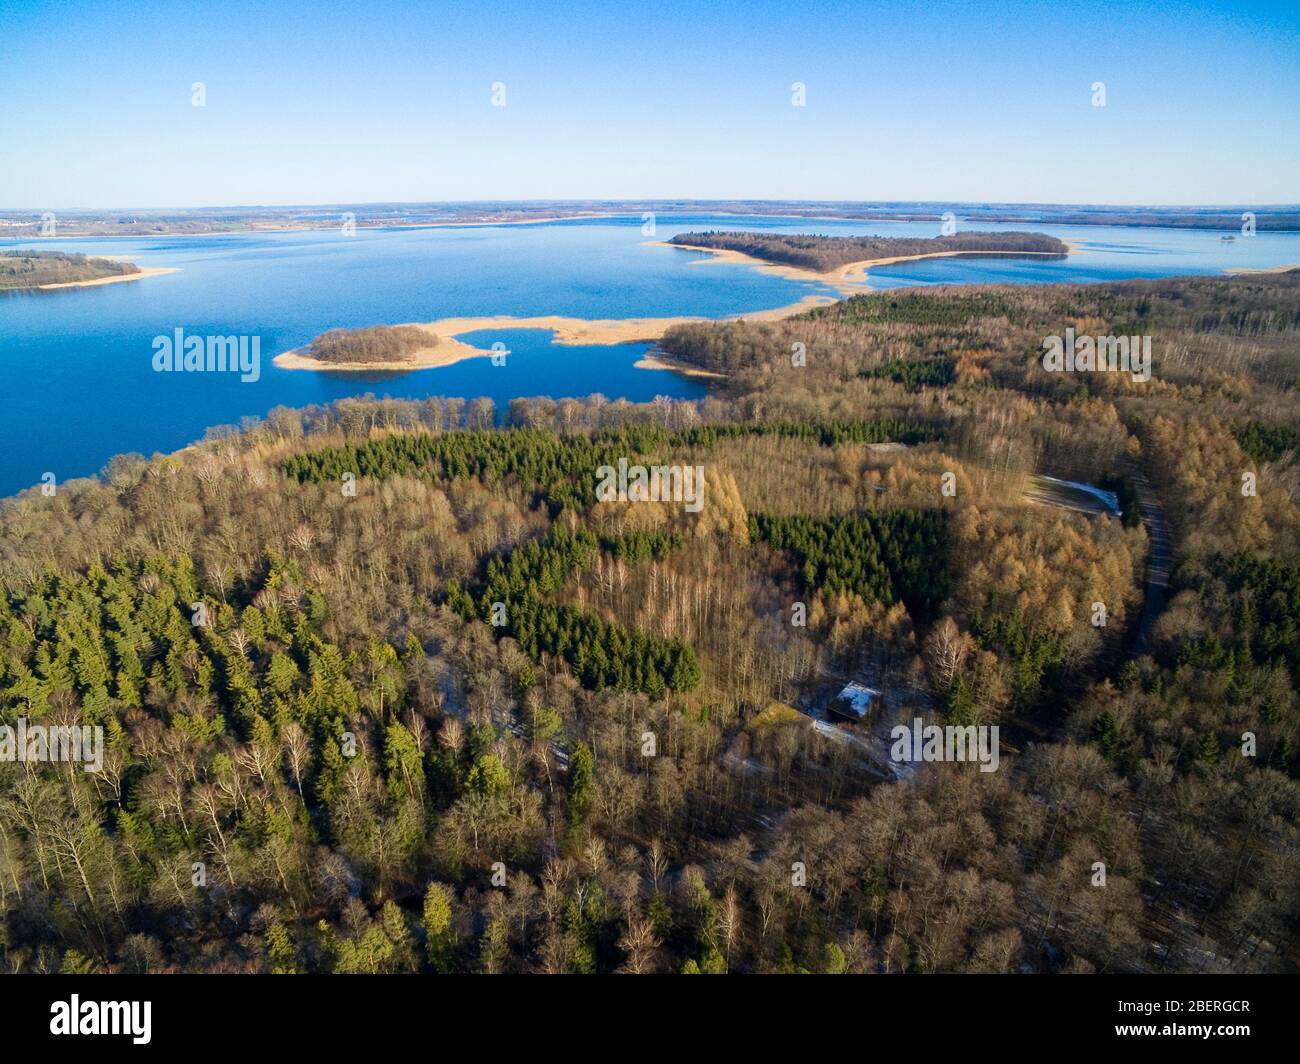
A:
x,y
565,330
307,227
22,224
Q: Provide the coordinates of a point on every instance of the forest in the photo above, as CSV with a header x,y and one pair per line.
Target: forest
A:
x,y
378,343
31,269
826,253
385,688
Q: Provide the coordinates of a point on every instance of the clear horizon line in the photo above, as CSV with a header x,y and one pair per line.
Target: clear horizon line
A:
x,y
642,201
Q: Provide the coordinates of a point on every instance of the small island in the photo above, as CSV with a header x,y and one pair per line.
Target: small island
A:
x,y
846,258
378,348
58,269
378,343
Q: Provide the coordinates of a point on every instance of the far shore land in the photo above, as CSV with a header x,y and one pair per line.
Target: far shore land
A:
x,y
149,222
374,225
143,271
450,350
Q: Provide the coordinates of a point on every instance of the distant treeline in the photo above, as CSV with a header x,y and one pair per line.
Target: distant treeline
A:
x,y
825,253
236,219
31,269
379,343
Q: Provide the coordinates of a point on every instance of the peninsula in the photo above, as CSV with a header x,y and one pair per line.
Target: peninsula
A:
x,y
56,269
843,261
431,345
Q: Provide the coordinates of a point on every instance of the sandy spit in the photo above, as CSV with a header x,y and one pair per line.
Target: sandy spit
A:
x,y
1245,270
566,331
145,271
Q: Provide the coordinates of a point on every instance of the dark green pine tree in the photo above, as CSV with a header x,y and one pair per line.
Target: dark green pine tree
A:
x,y
582,767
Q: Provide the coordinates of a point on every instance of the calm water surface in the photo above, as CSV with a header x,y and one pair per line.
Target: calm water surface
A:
x,y
76,372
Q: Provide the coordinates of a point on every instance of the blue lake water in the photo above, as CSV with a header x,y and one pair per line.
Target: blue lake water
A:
x,y
76,365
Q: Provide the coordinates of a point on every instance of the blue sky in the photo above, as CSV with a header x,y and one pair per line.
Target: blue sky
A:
x,y
373,100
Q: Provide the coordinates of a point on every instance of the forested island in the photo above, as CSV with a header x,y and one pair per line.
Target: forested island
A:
x,y
825,253
386,687
378,343
36,269
378,348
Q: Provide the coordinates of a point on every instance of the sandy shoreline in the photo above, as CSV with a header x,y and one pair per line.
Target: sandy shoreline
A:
x,y
662,361
849,279
1245,270
145,271
566,331
448,352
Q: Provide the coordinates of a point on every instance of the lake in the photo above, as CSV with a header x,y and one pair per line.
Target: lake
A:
x,y
76,366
